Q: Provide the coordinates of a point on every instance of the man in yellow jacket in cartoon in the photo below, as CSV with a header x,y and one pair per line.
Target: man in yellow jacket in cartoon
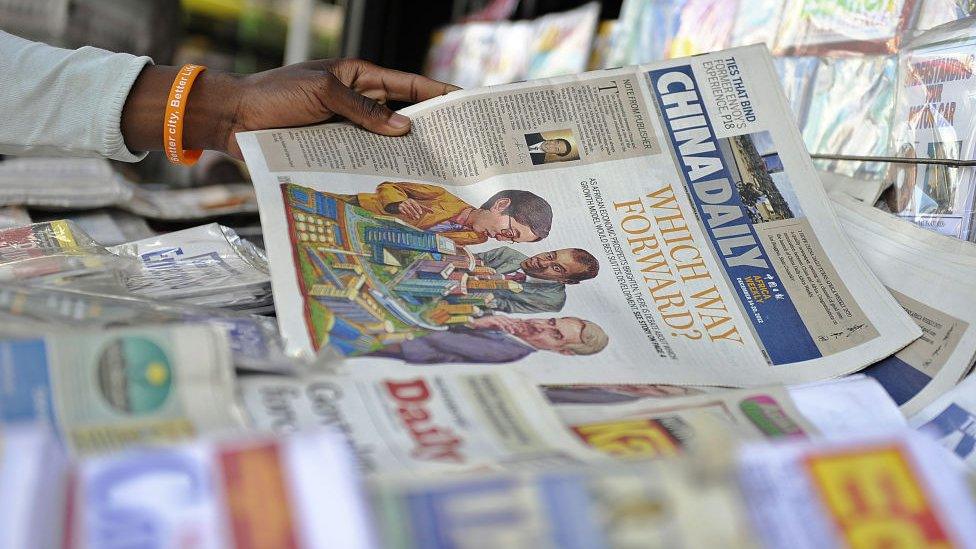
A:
x,y
508,216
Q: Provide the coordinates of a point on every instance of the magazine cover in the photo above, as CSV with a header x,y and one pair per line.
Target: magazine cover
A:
x,y
850,112
815,27
561,42
796,76
706,26
757,22
647,224
644,31
934,119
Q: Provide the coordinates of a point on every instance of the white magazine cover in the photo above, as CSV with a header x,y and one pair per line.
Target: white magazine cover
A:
x,y
644,31
585,228
420,423
938,294
849,112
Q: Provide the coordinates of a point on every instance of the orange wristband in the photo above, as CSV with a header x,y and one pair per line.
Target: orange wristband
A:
x,y
175,112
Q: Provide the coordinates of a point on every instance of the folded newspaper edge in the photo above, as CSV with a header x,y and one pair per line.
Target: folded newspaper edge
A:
x,y
935,287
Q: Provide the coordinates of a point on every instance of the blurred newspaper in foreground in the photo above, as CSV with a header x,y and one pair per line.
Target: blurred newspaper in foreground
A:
x,y
655,224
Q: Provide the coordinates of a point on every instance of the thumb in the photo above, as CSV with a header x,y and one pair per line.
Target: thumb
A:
x,y
366,112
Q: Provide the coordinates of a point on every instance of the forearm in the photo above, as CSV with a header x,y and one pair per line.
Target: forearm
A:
x,y
210,109
63,102
90,102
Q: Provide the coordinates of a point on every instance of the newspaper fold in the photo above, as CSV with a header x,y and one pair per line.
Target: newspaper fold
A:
x,y
934,285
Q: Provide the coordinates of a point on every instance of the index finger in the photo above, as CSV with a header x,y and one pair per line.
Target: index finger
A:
x,y
402,86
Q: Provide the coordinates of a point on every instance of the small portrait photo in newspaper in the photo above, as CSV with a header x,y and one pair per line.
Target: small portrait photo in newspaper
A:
x,y
552,146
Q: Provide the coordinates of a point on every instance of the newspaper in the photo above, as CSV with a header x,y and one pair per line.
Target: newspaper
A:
x,y
587,244
57,252
254,340
941,249
75,183
665,427
104,390
33,475
207,265
850,404
867,491
653,426
110,227
297,492
656,504
86,183
867,191
420,423
899,253
951,419
847,406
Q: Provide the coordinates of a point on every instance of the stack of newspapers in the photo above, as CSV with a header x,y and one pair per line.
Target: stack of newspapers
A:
x,y
617,309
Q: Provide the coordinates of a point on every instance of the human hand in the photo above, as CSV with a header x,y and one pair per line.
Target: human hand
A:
x,y
413,210
221,104
496,322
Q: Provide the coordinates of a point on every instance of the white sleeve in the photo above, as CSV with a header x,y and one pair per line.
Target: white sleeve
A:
x,y
58,102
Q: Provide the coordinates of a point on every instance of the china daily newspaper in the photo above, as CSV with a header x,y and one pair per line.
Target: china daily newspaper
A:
x,y
660,223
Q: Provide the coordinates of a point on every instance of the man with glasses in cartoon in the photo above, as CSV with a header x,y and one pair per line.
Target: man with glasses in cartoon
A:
x,y
508,216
